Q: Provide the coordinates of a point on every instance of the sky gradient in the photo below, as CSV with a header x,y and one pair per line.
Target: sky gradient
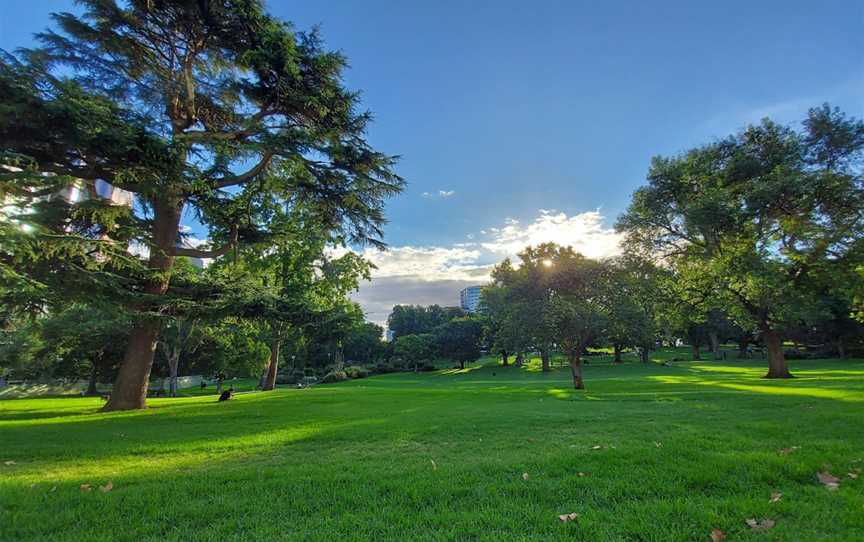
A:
x,y
523,122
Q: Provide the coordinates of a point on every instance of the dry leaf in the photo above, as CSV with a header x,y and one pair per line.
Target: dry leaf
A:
x,y
582,474
107,487
787,451
86,487
572,516
597,447
8,463
658,444
854,473
776,496
434,465
717,535
524,475
828,480
763,525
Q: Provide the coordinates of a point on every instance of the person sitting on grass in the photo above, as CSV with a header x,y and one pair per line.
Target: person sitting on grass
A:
x,y
227,394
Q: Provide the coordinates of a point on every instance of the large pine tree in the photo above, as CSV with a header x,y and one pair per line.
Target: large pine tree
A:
x,y
203,108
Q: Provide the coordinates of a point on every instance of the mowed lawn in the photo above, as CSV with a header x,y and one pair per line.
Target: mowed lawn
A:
x,y
647,453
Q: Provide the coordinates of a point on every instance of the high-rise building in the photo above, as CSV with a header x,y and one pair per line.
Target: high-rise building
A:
x,y
469,298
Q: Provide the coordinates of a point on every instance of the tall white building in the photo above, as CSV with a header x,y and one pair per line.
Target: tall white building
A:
x,y
469,298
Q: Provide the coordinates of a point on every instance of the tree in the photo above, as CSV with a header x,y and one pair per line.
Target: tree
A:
x,y
756,215
579,308
210,108
459,339
416,319
635,297
415,348
364,343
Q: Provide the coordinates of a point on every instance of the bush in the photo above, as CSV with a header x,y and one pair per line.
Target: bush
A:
x,y
334,376
356,372
385,368
426,367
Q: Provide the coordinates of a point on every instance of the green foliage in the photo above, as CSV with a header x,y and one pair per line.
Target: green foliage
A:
x,y
416,319
459,339
415,349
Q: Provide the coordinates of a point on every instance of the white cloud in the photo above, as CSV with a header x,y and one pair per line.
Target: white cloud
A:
x,y
439,194
436,274
584,232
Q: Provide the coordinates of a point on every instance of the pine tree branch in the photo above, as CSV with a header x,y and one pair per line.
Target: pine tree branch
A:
x,y
235,180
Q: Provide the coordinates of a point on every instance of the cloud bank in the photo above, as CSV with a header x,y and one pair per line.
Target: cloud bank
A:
x,y
436,274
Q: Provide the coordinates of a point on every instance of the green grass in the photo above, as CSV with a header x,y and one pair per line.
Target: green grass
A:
x,y
354,461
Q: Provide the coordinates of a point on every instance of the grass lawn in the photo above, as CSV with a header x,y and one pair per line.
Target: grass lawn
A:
x,y
647,453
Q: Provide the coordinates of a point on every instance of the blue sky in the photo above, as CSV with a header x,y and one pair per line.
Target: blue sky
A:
x,y
518,107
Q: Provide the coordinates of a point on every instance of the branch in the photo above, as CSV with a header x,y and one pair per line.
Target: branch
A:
x,y
234,180
208,254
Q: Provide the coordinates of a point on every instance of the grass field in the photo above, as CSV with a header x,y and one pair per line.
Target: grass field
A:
x,y
647,453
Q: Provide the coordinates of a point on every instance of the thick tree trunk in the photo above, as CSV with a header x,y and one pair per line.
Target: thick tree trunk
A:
x,y
339,359
504,357
520,358
576,371
91,384
777,367
617,350
715,344
645,354
841,349
130,388
462,364
544,358
696,354
270,381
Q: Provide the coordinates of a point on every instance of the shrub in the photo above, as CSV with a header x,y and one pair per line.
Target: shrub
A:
x,y
334,376
356,372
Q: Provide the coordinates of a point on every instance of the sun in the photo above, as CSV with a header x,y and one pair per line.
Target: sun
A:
x,y
547,263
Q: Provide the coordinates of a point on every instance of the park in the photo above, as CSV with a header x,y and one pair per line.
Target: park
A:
x,y
264,277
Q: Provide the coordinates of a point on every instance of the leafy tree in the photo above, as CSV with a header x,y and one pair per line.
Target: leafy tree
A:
x,y
460,339
364,343
635,297
415,348
416,319
210,108
756,215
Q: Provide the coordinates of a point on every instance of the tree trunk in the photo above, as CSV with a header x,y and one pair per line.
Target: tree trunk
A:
x,y
544,357
270,381
504,357
91,384
777,367
841,349
696,355
130,388
462,364
742,348
173,365
339,359
715,344
520,358
220,385
617,349
644,354
576,371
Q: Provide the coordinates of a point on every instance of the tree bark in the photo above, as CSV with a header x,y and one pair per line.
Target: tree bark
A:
x,y
173,365
576,371
519,359
462,364
696,354
273,367
715,344
617,349
339,359
504,357
777,367
644,354
91,384
130,388
544,357
742,348
841,349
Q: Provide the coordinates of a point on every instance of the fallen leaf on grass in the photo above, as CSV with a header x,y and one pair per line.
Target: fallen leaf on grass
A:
x,y
763,525
107,487
787,451
597,447
572,516
717,535
8,463
86,487
854,473
524,475
776,496
434,465
828,480
658,444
